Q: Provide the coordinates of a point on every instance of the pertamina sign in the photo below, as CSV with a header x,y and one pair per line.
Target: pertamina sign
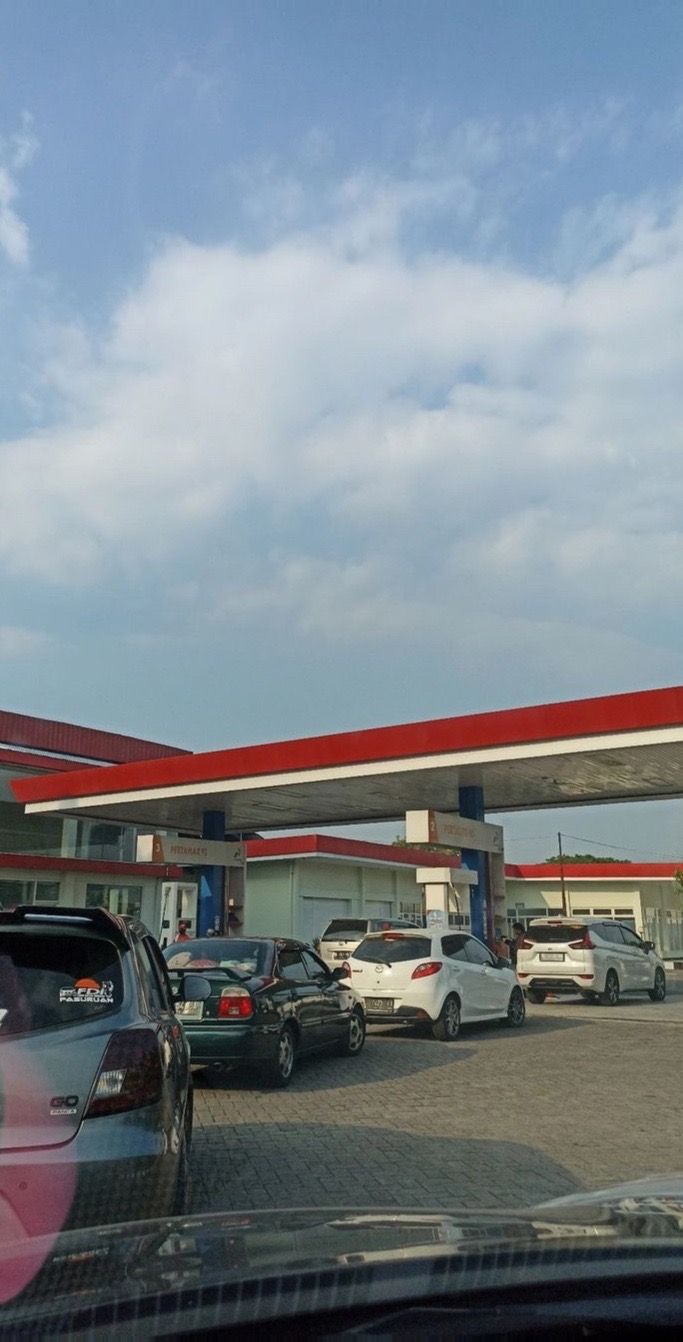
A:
x,y
166,850
453,831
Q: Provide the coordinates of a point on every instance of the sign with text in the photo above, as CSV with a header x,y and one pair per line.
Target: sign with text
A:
x,y
453,831
166,850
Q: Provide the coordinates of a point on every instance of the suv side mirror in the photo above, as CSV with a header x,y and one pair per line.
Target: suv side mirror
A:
x,y
339,974
649,945
503,962
194,988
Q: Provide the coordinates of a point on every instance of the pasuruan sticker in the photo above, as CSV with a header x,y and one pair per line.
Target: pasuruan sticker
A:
x,y
88,990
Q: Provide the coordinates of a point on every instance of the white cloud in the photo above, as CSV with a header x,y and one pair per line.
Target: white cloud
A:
x,y
17,642
16,152
506,443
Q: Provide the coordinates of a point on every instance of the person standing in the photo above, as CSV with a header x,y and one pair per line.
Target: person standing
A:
x,y
182,934
517,939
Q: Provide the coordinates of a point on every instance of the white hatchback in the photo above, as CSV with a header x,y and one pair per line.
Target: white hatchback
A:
x,y
597,957
434,978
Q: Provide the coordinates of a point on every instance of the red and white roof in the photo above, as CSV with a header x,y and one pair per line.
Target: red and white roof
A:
x,y
624,747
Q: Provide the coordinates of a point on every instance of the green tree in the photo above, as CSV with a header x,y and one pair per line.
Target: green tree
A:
x,y
582,857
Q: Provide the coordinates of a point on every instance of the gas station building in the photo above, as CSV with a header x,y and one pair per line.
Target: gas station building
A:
x,y
86,791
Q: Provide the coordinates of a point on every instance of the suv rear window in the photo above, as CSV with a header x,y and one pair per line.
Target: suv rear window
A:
x,y
50,979
341,927
392,950
555,932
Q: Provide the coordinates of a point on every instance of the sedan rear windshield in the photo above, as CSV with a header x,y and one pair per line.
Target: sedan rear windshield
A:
x,y
392,950
50,979
342,927
562,932
239,956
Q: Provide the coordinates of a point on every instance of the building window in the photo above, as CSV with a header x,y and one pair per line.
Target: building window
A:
x,y
15,892
28,892
46,892
411,910
126,899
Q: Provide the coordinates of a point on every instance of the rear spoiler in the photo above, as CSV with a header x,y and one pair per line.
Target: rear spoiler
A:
x,y
99,920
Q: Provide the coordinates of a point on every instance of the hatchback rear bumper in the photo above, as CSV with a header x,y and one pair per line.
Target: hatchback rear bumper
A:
x,y
402,1015
120,1166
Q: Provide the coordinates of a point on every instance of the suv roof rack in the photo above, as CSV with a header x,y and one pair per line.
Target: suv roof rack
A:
x,y
100,920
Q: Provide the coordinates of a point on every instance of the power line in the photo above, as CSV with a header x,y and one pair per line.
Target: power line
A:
x,y
621,848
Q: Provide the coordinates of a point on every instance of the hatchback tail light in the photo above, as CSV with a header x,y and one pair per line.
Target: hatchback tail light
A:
x,y
347,969
527,945
235,1004
129,1075
427,967
585,944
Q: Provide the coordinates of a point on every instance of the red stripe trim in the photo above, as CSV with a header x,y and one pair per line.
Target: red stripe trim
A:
x,y
328,845
647,709
84,866
600,870
65,738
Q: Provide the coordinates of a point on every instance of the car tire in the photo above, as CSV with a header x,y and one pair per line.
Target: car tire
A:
x,y
354,1039
536,995
447,1027
277,1072
658,993
516,1012
610,995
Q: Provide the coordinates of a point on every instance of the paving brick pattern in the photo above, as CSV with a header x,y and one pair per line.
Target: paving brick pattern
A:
x,y
580,1098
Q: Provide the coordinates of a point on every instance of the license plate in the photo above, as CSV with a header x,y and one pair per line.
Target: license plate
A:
x,y
551,955
190,1010
380,1004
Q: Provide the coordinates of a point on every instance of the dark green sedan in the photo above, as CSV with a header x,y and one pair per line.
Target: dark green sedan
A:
x,y
271,1001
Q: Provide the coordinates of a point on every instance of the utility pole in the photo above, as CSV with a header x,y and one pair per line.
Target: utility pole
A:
x,y
562,884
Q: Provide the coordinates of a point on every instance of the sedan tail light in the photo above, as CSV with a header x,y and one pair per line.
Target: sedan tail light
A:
x,y
427,967
585,944
129,1075
235,1004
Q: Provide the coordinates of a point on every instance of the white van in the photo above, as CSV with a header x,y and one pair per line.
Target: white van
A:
x,y
342,935
597,957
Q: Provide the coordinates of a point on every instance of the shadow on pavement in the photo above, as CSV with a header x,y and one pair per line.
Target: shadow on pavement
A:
x,y
535,1024
280,1165
328,1071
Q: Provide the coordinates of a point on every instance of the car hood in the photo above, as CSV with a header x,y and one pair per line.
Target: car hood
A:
x,y
245,1268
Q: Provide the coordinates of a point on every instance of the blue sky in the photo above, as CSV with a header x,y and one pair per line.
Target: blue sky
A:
x,y
340,375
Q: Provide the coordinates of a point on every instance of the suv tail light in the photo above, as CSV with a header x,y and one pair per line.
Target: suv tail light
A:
x,y
235,1004
427,967
585,944
129,1075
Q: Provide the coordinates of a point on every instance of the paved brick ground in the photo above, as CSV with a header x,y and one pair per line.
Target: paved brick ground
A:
x,y
581,1098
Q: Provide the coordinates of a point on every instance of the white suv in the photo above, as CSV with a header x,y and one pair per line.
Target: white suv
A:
x,y
596,957
434,978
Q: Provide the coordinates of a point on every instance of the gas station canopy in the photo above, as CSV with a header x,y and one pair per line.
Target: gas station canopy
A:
x,y
624,747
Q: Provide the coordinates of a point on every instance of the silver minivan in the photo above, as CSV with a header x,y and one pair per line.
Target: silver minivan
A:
x,y
597,957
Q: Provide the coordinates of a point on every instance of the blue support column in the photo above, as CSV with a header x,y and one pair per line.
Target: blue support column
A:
x,y
212,879
471,807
